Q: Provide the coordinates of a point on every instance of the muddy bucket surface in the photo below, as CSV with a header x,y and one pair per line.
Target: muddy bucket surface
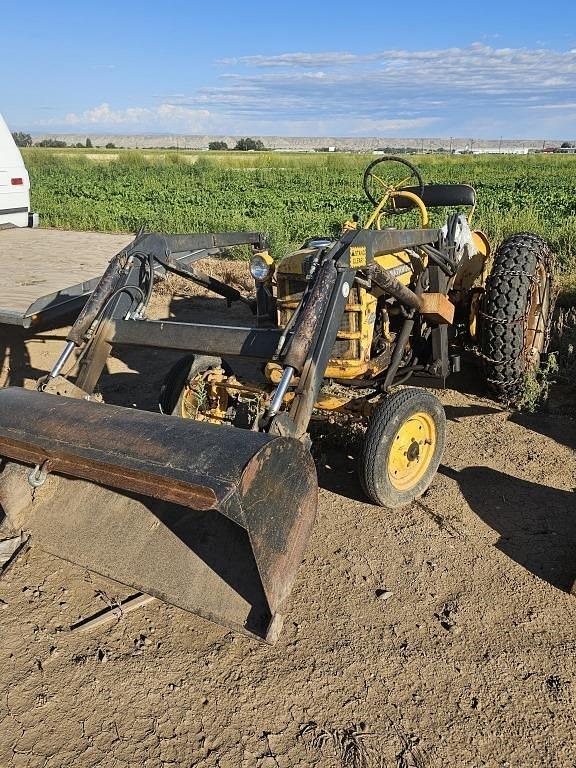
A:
x,y
211,519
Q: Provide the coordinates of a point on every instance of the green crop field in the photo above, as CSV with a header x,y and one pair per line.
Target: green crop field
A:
x,y
290,196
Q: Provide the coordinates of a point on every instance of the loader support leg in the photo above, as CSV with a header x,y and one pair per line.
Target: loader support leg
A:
x,y
313,373
401,342
441,361
96,356
92,364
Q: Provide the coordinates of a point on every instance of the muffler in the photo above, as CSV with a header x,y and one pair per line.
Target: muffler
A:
x,y
212,519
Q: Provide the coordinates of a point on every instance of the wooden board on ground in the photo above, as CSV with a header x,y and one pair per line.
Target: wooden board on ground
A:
x,y
10,549
132,603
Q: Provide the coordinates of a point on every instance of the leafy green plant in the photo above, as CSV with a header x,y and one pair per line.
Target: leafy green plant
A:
x,y
537,385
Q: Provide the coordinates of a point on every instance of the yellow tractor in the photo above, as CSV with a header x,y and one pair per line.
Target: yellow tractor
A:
x,y
210,503
410,315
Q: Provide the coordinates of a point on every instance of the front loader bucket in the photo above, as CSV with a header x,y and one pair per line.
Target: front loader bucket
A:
x,y
211,519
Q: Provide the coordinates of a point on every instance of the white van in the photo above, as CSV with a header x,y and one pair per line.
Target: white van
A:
x,y
14,183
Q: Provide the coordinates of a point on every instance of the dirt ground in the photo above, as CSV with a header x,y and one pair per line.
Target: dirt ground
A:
x,y
443,634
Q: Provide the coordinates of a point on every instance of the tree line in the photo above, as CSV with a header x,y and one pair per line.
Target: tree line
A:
x,y
25,140
242,145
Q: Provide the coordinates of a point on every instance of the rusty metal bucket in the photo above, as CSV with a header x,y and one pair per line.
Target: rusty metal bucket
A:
x,y
211,519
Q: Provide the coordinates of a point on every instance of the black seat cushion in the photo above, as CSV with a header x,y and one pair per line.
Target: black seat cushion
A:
x,y
435,195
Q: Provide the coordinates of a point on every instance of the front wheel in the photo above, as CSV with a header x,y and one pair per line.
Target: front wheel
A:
x,y
402,448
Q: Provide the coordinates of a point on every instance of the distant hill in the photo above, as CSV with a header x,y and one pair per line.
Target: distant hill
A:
x,y
297,143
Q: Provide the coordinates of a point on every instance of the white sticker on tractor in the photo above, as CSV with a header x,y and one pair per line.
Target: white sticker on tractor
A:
x,y
345,290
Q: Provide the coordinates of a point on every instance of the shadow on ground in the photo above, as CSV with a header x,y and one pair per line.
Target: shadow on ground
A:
x,y
337,473
536,523
15,363
457,413
558,427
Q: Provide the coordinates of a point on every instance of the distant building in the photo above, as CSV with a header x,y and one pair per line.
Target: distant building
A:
x,y
493,151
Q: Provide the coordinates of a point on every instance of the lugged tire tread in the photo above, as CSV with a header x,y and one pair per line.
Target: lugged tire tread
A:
x,y
506,298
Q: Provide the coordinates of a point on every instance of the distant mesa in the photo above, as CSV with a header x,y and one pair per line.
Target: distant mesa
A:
x,y
308,143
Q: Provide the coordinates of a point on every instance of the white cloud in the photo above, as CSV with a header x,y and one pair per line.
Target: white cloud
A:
x,y
391,78
328,59
104,115
385,92
148,117
566,105
477,63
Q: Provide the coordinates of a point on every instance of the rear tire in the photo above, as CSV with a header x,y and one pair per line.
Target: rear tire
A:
x,y
182,371
516,314
402,448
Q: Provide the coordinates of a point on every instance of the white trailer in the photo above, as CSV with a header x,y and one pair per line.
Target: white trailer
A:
x,y
14,184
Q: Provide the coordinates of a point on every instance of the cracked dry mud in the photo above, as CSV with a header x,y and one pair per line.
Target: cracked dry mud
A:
x,y
468,662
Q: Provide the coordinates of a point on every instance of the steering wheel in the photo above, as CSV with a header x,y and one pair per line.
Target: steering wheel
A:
x,y
376,188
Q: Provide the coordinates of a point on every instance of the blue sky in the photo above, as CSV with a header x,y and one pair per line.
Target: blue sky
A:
x,y
410,69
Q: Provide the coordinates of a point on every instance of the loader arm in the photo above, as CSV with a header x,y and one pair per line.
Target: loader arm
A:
x,y
113,314
126,286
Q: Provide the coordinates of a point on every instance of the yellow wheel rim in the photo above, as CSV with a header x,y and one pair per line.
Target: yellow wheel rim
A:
x,y
411,452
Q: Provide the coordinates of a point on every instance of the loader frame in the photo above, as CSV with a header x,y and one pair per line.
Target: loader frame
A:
x,y
114,315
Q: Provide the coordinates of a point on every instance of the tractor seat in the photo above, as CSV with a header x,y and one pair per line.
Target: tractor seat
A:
x,y
436,195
